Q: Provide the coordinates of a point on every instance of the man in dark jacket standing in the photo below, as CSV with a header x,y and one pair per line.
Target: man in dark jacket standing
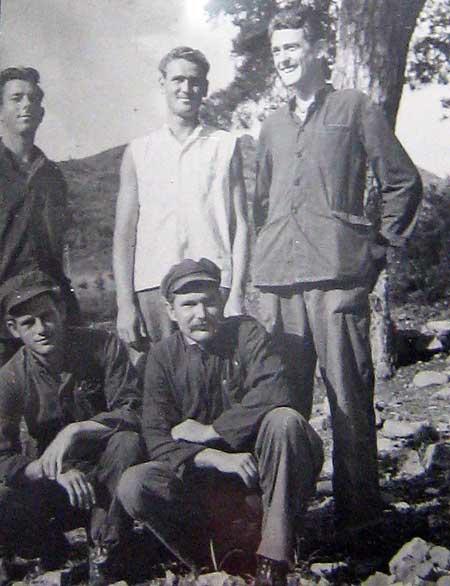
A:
x,y
33,206
69,423
317,255
217,416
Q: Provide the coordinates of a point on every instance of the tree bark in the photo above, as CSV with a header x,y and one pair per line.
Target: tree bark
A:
x,y
372,41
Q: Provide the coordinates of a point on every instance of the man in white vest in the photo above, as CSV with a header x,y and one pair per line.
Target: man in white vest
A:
x,y
182,194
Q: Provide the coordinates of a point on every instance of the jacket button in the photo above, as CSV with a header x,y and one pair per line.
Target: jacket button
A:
x,y
297,182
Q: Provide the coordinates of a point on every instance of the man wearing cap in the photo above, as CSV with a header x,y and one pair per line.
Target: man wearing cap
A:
x,y
68,429
217,420
181,195
33,207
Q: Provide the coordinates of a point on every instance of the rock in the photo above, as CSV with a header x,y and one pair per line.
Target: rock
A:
x,y
437,456
56,578
409,556
411,466
425,570
443,581
439,326
440,556
426,378
387,446
402,507
377,579
327,568
408,430
442,395
220,579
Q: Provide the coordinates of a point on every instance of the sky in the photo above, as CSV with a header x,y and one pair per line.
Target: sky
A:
x,y
98,63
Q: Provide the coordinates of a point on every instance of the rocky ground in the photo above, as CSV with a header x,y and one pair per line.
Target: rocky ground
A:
x,y
411,546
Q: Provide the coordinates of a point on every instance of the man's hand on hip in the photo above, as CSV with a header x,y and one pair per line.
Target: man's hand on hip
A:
x,y
195,432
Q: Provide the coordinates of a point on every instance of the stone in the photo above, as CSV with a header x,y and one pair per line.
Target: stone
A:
x,y
440,556
439,326
442,395
425,570
410,431
409,556
56,578
411,466
402,507
443,581
220,579
426,378
321,422
437,456
377,579
327,568
387,446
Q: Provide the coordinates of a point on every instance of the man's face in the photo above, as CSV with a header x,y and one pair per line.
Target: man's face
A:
x,y
39,324
294,57
184,86
21,111
198,313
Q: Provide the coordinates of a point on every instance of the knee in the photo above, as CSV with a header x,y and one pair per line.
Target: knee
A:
x,y
142,485
284,419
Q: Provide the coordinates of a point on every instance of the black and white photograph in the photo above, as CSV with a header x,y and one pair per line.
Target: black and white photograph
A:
x,y
224,292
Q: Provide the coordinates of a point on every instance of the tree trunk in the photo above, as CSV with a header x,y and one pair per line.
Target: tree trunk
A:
x,y
371,49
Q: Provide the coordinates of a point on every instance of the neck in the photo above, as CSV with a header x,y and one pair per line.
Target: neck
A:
x,y
21,145
305,90
181,127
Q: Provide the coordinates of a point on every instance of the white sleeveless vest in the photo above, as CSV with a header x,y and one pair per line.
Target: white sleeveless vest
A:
x,y
184,202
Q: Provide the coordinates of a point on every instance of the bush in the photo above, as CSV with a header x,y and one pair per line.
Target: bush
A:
x,y
421,272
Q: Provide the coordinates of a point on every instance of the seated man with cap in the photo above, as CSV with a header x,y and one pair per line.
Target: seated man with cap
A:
x,y
217,419
69,424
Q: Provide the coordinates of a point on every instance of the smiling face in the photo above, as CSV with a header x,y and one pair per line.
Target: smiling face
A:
x,y
39,324
296,59
198,313
184,85
20,110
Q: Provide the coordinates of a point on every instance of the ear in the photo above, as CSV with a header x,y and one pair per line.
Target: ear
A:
x,y
162,81
11,325
42,113
170,311
205,88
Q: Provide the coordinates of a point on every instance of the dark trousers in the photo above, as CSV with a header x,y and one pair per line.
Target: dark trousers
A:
x,y
332,325
30,510
188,509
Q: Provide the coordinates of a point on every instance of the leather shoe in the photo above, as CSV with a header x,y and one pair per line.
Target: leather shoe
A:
x,y
270,572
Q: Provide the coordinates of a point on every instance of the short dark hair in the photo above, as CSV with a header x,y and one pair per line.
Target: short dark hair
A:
x,y
187,53
22,73
305,18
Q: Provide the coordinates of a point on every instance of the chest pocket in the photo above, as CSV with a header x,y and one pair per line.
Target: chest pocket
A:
x,y
88,399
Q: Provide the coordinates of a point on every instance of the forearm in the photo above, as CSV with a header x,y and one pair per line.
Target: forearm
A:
x,y
207,458
240,258
88,430
123,264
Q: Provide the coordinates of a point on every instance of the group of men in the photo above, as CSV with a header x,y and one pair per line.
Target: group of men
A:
x,y
212,445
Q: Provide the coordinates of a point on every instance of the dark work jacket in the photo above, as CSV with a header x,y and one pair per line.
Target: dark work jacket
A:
x,y
232,386
309,201
97,383
33,216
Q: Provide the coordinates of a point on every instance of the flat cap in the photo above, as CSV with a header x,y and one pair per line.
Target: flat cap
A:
x,y
23,287
189,271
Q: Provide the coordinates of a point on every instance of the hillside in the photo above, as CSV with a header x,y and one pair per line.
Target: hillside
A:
x,y
93,185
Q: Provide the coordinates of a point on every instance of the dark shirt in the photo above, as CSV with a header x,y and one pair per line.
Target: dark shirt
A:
x,y
309,200
97,383
232,386
33,212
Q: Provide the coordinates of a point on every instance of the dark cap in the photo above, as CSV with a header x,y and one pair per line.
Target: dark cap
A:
x,y
23,287
189,271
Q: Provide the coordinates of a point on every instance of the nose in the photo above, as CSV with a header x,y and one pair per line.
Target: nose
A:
x,y
26,101
200,311
185,86
39,326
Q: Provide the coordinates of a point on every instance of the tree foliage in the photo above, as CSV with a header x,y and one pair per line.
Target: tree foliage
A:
x,y
428,58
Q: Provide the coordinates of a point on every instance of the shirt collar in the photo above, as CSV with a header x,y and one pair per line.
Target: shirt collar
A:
x,y
38,161
319,99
